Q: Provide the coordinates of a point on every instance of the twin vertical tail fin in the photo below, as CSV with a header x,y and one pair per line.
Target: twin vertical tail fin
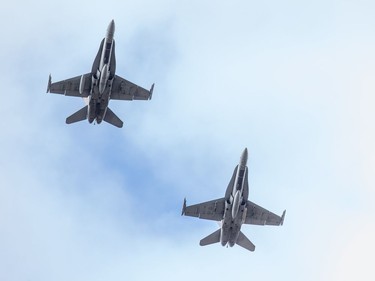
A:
x,y
244,242
80,115
111,118
211,239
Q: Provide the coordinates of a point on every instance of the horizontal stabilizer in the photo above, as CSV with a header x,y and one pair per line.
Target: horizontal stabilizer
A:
x,y
211,239
244,242
80,115
111,118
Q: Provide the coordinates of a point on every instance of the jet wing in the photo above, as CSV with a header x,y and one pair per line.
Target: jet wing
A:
x,y
211,210
260,216
71,87
123,89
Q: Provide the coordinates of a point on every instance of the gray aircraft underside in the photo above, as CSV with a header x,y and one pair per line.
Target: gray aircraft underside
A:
x,y
99,86
232,211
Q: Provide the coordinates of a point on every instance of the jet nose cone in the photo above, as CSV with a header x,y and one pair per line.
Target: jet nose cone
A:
x,y
243,159
111,29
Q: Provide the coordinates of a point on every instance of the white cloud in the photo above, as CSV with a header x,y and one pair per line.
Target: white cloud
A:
x,y
93,202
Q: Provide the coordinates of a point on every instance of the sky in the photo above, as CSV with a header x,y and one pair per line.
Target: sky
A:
x,y
292,81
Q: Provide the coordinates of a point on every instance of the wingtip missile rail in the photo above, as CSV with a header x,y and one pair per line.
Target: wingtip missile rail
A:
x,y
49,83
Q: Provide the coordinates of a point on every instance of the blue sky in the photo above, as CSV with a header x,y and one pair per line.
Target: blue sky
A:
x,y
291,81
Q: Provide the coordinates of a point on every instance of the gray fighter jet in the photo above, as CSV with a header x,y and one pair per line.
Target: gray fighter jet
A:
x,y
99,86
233,210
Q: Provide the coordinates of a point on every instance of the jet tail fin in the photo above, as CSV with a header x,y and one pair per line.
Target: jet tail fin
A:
x,y
111,118
244,242
80,115
211,239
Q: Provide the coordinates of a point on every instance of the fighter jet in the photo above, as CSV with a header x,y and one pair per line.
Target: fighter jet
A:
x,y
232,211
99,86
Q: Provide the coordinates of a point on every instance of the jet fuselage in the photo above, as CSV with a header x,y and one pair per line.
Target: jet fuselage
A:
x,y
235,203
102,72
